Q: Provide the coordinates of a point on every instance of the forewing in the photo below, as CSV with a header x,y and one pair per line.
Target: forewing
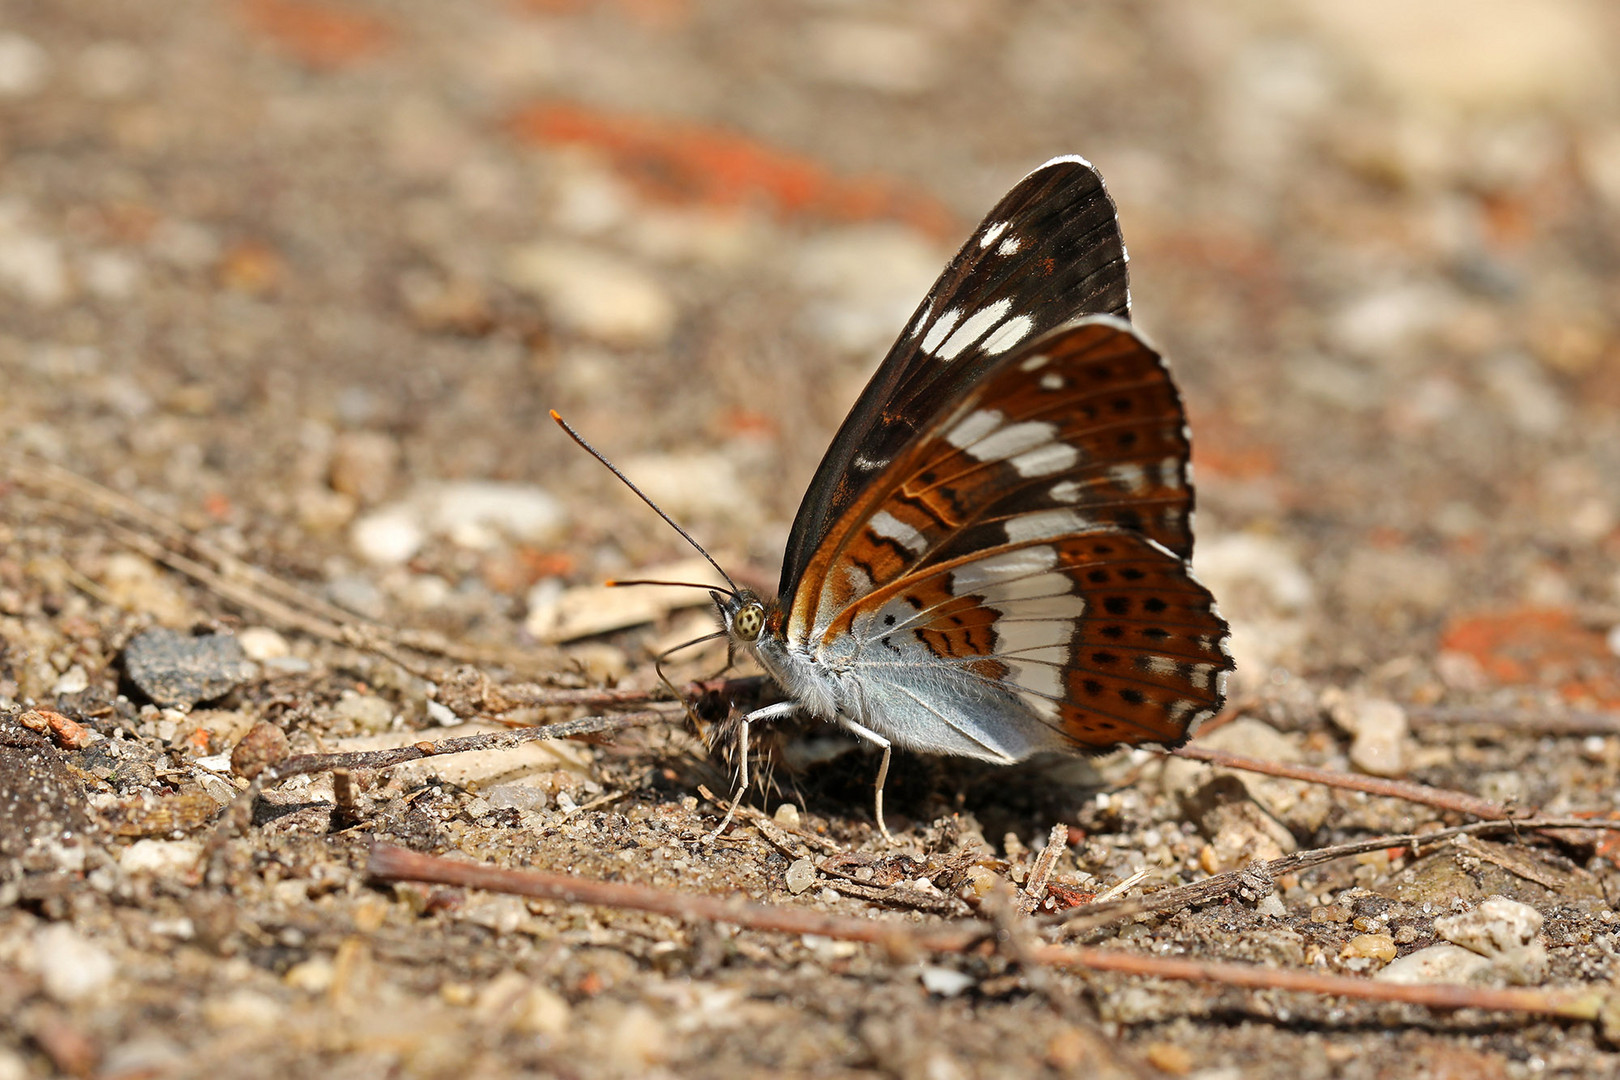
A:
x,y
1079,431
1050,251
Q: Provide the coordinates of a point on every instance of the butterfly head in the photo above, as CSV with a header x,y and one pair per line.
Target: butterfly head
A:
x,y
745,614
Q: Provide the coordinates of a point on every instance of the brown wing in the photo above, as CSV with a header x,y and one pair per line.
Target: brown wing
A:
x,y
1036,534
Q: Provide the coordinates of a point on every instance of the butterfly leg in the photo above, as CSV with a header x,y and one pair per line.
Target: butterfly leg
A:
x,y
769,712
883,769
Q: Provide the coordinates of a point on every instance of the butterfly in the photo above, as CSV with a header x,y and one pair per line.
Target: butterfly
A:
x,y
992,559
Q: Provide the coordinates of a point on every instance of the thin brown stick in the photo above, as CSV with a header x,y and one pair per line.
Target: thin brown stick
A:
x,y
388,863
1575,1004
493,740
468,691
1541,721
1440,798
906,941
1256,879
238,581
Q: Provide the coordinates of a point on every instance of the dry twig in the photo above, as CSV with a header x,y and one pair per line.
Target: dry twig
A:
x,y
1440,798
242,583
905,941
1541,721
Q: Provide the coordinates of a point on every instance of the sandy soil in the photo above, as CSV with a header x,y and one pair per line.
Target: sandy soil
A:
x,y
292,285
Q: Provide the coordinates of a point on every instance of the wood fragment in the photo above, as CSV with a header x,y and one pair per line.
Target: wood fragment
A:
x,y
1440,798
1040,875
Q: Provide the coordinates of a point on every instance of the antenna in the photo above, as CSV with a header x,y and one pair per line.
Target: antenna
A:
x,y
625,480
619,583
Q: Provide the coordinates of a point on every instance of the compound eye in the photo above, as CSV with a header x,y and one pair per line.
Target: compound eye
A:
x,y
749,621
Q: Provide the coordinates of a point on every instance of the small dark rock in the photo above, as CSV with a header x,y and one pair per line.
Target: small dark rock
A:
x,y
176,669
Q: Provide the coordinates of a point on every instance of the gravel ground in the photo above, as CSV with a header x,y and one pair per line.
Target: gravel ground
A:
x,y
290,286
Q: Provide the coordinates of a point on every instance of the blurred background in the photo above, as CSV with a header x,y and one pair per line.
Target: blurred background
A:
x,y
306,275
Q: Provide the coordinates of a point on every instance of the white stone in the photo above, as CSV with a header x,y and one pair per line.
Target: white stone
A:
x,y
160,858
242,1008
24,66
72,967
1234,561
262,643
872,55
367,712
1380,732
1442,963
1495,927
519,511
1394,317
73,681
111,275
475,514
594,293
800,876
944,981
31,266
389,536
517,795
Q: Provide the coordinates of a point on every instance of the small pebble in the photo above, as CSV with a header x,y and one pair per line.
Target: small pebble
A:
x,y
1445,962
787,816
517,796
800,876
593,293
367,712
73,681
160,858
24,66
264,745
1494,927
262,643
313,976
177,669
241,1009
1170,1058
1379,947
389,536
944,981
72,967
1379,746
1271,907
638,1040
